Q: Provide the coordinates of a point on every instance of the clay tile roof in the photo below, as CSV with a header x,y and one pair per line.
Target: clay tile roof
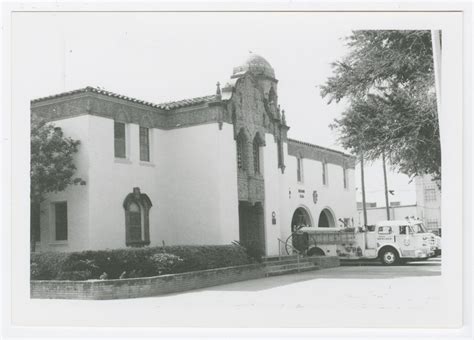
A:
x,y
164,106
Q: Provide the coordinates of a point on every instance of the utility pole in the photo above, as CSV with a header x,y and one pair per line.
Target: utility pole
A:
x,y
386,186
364,207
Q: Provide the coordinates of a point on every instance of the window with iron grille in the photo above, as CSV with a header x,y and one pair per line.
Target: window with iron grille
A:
x,y
144,144
120,140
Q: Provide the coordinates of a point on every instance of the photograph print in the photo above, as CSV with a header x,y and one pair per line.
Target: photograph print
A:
x,y
234,161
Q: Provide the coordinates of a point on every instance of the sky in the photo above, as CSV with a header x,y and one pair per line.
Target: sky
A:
x,y
160,57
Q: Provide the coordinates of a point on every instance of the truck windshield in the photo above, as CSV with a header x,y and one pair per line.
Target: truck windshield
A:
x,y
419,228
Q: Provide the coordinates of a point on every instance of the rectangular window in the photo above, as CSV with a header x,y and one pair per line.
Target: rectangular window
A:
x,y
344,177
35,213
403,229
432,224
119,139
430,194
280,153
144,144
325,173
60,221
385,230
299,169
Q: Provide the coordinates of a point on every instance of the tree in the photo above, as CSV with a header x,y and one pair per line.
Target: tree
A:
x,y
387,79
52,166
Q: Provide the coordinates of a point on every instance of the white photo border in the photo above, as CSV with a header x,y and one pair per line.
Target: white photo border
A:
x,y
456,128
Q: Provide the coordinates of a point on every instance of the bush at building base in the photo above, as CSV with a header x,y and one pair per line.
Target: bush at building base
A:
x,y
134,262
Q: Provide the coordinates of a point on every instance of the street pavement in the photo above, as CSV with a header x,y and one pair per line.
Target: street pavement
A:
x,y
369,295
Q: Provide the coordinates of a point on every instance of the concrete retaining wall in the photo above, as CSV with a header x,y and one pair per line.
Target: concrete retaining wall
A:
x,y
141,287
325,261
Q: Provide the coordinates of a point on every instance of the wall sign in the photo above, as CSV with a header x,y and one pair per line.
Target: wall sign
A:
x,y
315,196
301,193
274,219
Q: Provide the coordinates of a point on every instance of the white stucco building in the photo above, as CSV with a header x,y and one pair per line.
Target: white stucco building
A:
x,y
208,170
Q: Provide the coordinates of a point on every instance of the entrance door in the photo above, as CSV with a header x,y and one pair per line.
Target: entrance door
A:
x,y
251,227
326,219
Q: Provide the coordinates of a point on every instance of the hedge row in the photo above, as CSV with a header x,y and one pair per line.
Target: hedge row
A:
x,y
134,262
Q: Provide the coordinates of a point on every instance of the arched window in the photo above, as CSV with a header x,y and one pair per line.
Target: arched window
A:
x,y
256,155
272,98
137,220
241,143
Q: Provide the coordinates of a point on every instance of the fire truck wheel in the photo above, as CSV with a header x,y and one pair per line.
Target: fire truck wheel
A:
x,y
316,252
389,257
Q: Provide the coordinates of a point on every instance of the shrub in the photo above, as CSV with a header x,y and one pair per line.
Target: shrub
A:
x,y
46,266
135,262
254,251
77,275
165,263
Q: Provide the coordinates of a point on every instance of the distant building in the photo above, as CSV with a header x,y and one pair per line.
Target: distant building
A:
x,y
376,214
367,204
427,207
428,201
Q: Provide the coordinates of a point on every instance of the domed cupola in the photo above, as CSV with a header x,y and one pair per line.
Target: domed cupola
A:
x,y
255,64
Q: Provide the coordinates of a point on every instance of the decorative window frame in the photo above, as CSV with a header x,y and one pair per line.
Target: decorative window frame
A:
x,y
144,202
242,144
257,144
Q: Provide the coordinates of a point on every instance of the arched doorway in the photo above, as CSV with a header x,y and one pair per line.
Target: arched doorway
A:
x,y
326,219
300,218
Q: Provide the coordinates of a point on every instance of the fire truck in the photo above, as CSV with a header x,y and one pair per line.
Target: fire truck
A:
x,y
392,242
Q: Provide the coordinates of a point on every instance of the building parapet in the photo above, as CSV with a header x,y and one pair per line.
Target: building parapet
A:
x,y
319,153
97,102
